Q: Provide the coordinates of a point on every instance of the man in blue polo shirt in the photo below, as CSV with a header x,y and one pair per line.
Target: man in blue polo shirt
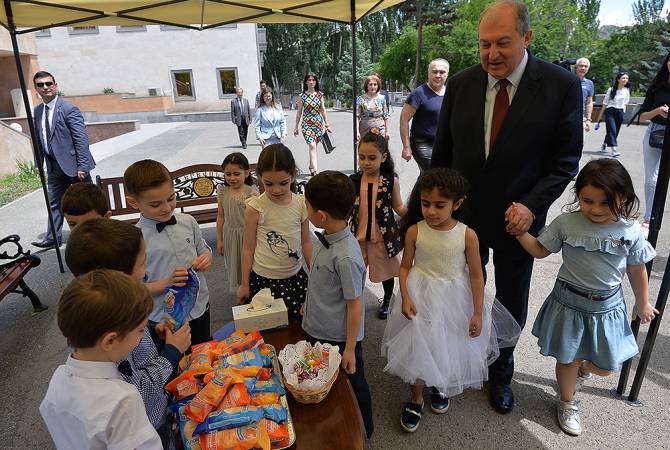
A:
x,y
333,311
588,90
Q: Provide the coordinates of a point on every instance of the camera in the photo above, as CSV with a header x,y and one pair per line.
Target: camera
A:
x,y
565,63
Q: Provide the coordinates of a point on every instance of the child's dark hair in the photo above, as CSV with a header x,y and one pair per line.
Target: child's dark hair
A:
x,y
332,192
612,177
449,182
277,158
82,198
375,137
240,160
143,175
103,244
100,302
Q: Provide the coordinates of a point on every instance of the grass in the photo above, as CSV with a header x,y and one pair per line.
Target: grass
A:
x,y
25,180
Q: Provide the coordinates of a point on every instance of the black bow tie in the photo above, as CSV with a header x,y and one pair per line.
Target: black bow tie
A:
x,y
160,226
322,239
125,369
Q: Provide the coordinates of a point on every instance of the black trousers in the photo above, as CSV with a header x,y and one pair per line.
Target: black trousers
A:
x,y
422,151
243,130
613,121
57,183
358,383
512,267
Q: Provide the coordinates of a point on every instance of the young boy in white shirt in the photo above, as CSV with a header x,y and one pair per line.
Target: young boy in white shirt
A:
x,y
87,404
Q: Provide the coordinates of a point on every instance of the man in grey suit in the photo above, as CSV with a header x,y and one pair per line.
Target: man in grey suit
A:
x,y
241,115
513,126
63,140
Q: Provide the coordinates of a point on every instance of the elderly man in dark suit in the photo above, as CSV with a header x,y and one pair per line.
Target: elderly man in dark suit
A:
x,y
240,115
63,140
513,126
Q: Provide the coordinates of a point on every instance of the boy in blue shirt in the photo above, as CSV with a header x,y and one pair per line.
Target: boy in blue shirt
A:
x,y
333,311
174,242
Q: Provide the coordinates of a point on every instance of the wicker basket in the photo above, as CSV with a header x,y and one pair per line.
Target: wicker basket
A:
x,y
308,397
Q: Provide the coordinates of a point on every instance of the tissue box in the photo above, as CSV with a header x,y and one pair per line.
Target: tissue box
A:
x,y
275,316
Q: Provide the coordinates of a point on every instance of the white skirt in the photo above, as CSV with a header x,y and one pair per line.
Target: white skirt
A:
x,y
435,348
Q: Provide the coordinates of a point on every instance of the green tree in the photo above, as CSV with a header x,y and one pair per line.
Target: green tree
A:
x,y
647,11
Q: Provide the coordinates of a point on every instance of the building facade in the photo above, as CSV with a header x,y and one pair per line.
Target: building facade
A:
x,y
198,70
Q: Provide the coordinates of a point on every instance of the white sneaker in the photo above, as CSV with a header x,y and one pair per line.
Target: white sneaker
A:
x,y
568,417
581,379
615,153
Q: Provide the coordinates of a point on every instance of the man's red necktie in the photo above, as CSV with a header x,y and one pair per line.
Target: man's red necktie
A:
x,y
500,108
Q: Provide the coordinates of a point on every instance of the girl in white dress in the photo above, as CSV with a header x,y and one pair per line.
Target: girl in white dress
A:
x,y
443,335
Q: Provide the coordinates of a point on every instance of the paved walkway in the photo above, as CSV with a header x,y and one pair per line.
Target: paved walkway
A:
x,y
31,346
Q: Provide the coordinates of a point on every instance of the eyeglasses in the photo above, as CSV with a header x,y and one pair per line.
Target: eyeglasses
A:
x,y
46,83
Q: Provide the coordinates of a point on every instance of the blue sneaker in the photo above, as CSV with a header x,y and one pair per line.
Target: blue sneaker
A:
x,y
411,416
439,402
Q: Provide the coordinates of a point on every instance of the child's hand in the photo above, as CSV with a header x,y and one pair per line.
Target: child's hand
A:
x,y
646,313
408,309
202,262
219,247
179,277
349,361
475,327
160,330
181,339
242,294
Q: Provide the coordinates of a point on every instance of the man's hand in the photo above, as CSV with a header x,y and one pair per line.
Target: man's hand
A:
x,y
406,153
181,339
519,219
349,361
81,175
202,262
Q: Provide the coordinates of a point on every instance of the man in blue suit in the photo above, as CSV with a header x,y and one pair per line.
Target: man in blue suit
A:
x,y
63,141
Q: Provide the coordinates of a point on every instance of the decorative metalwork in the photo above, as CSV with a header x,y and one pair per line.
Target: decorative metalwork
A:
x,y
12,240
192,186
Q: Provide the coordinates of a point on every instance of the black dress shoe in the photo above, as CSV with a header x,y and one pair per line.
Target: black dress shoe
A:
x,y
501,398
45,244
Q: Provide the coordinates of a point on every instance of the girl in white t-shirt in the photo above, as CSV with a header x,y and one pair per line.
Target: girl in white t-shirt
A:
x,y
614,106
276,234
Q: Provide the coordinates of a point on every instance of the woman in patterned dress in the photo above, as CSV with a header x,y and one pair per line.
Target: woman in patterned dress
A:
x,y
313,113
372,109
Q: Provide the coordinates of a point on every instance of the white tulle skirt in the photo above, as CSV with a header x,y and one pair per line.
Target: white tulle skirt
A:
x,y
434,348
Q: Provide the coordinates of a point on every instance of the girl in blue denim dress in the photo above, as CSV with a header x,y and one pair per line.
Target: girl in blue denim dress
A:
x,y
584,323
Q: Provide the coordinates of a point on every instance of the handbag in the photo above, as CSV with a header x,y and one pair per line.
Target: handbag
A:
x,y
328,142
656,137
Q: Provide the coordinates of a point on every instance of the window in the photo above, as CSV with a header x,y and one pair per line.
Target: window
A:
x,y
130,28
182,84
83,30
43,33
227,78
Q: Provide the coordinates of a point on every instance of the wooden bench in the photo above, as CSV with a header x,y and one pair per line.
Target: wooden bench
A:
x,y
12,273
195,187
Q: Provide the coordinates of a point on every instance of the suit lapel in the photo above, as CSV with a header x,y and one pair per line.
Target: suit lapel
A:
x,y
518,109
478,96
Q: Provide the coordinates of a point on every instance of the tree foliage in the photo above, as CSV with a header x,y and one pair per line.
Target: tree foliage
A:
x,y
647,11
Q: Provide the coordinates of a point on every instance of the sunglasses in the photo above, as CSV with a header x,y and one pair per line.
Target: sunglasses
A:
x,y
46,83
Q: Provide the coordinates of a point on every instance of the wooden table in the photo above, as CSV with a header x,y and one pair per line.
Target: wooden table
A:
x,y
335,422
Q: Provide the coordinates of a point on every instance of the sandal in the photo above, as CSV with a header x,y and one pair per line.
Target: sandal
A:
x,y
313,172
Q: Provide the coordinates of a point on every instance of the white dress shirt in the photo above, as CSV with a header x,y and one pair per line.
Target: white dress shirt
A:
x,y
43,125
514,79
88,406
620,100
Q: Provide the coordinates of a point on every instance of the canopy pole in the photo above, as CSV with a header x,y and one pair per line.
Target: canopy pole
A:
x,y
660,195
37,154
353,79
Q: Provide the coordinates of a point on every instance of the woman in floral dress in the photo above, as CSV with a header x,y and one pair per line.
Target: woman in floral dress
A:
x,y
372,109
313,113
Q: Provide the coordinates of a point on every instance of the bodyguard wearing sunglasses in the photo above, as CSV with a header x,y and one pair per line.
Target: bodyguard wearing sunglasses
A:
x,y
63,140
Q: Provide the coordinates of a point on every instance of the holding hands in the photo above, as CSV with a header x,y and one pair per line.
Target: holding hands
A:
x,y
518,218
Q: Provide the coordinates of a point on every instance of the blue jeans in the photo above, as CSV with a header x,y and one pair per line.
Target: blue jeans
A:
x,y
613,121
652,160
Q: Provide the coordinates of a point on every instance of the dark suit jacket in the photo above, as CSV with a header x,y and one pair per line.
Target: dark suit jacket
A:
x,y
236,113
69,138
535,155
